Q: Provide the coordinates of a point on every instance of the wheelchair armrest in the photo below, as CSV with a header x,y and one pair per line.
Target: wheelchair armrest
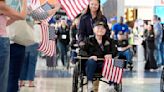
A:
x,y
85,58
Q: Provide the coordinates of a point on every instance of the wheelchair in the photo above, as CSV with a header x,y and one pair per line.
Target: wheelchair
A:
x,y
162,81
79,75
129,66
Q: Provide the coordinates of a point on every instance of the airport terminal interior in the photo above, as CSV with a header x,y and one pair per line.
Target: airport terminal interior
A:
x,y
60,80
136,13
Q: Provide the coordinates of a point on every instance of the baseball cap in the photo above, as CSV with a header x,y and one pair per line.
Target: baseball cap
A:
x,y
99,23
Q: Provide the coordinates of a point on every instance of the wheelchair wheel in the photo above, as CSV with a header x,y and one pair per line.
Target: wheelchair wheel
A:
x,y
118,87
77,85
162,81
75,80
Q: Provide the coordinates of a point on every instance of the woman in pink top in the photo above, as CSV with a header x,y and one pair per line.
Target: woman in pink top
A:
x,y
6,11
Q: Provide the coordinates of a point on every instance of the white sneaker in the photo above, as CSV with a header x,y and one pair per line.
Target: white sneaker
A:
x,y
90,86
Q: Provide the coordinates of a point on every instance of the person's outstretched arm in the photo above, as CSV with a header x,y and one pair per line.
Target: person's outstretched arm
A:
x,y
11,13
37,15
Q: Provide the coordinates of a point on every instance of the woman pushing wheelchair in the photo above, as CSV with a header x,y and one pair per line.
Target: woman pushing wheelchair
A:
x,y
98,46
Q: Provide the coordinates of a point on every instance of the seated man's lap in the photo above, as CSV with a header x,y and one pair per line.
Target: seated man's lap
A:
x,y
83,65
124,54
97,64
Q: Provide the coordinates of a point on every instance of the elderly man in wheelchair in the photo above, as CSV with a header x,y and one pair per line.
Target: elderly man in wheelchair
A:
x,y
98,46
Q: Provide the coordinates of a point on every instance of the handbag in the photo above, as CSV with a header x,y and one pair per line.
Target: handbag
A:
x,y
21,33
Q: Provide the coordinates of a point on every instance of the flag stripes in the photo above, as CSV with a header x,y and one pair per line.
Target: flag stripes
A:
x,y
73,7
47,45
35,4
111,72
44,37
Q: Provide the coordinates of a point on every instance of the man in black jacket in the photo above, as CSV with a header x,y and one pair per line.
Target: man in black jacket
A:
x,y
98,46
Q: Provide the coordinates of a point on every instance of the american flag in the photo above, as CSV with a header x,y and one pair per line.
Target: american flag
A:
x,y
52,33
47,45
34,4
113,70
73,7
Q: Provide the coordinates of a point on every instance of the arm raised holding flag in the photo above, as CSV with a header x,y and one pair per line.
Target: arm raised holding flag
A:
x,y
45,14
43,11
71,7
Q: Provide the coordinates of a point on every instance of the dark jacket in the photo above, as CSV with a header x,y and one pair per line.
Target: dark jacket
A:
x,y
122,43
92,48
150,40
61,32
73,33
86,26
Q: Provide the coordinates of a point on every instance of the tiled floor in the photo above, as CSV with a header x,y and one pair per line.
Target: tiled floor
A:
x,y
60,80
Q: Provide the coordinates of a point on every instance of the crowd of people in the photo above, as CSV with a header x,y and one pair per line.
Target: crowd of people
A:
x,y
17,61
89,32
152,41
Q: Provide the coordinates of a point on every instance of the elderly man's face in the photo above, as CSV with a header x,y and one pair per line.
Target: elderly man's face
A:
x,y
99,30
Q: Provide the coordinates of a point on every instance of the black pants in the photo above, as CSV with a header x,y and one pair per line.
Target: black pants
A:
x,y
150,61
17,53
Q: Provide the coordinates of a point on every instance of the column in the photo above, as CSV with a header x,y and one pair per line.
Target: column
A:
x,y
113,8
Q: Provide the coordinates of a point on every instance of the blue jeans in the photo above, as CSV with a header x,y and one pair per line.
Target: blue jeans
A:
x,y
63,52
4,62
157,53
73,55
128,54
17,53
91,67
29,64
162,52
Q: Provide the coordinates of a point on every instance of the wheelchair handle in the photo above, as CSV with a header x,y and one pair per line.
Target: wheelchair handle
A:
x,y
80,57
